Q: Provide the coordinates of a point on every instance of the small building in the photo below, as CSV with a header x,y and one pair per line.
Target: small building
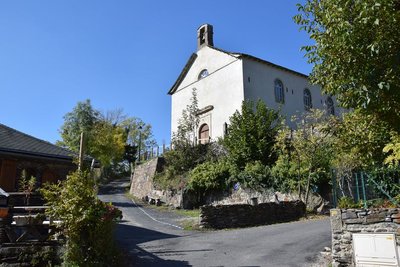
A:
x,y
19,151
223,80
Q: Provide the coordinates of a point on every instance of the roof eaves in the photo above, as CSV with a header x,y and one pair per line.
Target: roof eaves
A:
x,y
41,155
183,74
242,55
272,64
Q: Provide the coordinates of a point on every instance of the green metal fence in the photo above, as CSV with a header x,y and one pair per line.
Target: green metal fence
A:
x,y
383,183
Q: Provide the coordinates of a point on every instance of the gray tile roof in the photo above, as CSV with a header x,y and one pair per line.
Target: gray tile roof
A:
x,y
16,142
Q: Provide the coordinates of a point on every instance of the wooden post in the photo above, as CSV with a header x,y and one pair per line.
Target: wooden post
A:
x,y
81,149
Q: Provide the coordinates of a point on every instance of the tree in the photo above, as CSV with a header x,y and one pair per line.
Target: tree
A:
x,y
356,54
106,134
107,143
138,131
251,134
306,152
359,141
188,124
82,118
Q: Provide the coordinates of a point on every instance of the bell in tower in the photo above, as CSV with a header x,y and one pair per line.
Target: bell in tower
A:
x,y
205,36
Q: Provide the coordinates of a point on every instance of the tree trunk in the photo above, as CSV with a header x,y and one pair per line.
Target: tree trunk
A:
x,y
307,189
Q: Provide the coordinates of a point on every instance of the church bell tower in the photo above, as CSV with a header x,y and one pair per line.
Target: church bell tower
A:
x,y
205,36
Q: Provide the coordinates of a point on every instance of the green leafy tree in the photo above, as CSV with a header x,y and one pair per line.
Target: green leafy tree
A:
x,y
138,131
187,124
359,141
107,135
251,134
82,118
356,54
306,152
392,149
107,143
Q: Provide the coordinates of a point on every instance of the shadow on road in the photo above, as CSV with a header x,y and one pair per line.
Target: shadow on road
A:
x,y
128,238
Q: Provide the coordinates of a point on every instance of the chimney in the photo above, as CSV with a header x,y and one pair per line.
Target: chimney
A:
x,y
205,36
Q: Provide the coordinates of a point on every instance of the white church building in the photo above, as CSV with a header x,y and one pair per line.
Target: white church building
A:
x,y
223,79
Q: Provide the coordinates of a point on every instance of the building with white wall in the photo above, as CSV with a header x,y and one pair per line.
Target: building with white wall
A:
x,y
223,79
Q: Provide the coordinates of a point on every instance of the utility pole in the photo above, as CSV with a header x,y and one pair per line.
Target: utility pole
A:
x,y
81,152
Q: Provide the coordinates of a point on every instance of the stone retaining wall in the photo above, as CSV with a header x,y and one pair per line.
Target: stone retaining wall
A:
x,y
346,222
31,254
245,215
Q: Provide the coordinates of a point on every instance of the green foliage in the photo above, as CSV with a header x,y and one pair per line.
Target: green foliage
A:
x,y
255,175
252,134
304,153
82,118
359,141
187,124
209,176
106,134
392,149
86,221
27,185
138,131
107,143
356,54
348,203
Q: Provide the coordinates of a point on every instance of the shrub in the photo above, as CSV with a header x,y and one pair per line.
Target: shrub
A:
x,y
86,221
209,176
255,175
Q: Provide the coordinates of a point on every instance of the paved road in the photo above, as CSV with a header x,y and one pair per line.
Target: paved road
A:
x,y
150,239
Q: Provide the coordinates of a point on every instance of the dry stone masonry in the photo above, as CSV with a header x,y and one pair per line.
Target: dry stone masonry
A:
x,y
345,222
245,215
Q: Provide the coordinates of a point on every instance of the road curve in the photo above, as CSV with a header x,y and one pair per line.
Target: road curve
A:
x,y
151,238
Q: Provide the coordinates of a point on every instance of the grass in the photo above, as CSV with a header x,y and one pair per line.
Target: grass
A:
x,y
190,223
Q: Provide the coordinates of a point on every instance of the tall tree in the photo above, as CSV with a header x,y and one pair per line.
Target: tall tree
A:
x,y
251,134
82,118
187,124
107,133
356,54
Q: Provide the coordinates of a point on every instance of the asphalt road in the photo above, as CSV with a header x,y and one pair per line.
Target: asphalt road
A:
x,y
151,238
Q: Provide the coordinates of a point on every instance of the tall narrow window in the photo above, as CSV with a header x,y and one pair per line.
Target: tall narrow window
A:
x,y
279,93
330,108
307,99
204,134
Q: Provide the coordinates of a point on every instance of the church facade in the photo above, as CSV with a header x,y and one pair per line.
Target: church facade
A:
x,y
222,80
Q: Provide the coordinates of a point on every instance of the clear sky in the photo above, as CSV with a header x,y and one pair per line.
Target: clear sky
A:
x,y
124,53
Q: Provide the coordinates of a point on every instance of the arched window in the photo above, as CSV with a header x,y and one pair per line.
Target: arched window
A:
x,y
279,93
330,108
204,134
307,99
203,74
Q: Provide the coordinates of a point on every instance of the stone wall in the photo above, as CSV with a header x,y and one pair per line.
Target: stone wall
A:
x,y
346,222
245,215
31,254
142,184
244,195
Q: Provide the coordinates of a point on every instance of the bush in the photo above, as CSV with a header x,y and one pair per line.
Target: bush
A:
x,y
209,176
348,203
255,175
86,221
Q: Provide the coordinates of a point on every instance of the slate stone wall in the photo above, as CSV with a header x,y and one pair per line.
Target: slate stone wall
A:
x,y
345,222
31,254
245,215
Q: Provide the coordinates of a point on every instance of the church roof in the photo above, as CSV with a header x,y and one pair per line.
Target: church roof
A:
x,y
18,143
193,57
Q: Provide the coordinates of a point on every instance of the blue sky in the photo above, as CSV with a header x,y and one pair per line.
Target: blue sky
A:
x,y
124,54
